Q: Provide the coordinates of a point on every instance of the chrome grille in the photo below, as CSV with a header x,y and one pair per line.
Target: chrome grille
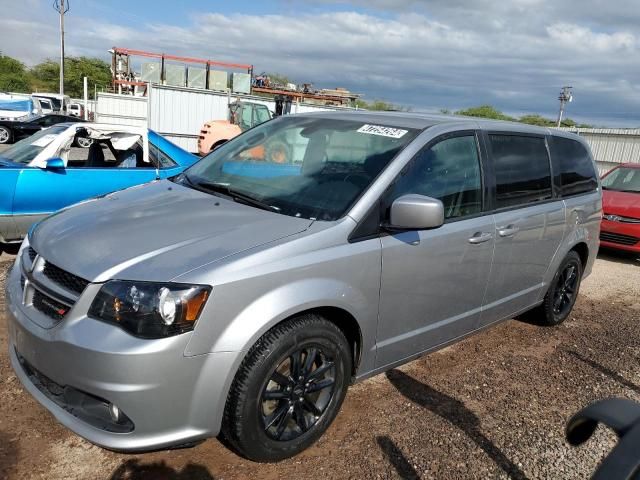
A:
x,y
619,218
64,279
32,254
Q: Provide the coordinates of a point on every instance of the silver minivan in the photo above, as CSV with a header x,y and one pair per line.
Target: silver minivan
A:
x,y
244,296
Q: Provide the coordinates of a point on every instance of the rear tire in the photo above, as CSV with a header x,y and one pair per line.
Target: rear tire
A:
x,y
288,389
563,292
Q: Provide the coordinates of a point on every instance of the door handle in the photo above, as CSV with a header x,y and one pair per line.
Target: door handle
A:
x,y
480,237
508,231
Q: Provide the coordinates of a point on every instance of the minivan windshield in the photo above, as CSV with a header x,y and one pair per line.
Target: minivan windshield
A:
x,y
309,167
623,179
28,148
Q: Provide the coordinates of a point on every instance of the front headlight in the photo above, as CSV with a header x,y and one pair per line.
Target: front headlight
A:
x,y
150,310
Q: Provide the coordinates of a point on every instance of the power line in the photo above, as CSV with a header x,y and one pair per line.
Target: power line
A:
x,y
62,7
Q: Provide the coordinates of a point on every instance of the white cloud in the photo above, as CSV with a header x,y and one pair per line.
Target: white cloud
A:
x,y
442,53
582,38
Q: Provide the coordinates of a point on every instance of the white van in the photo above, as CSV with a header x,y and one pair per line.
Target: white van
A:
x,y
59,102
75,109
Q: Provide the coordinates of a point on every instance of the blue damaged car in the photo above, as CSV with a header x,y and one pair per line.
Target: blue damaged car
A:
x,y
51,170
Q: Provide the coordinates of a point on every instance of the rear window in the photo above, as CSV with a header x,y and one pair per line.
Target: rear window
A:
x,y
572,167
521,165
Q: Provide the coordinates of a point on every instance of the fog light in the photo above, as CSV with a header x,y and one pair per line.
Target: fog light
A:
x,y
114,411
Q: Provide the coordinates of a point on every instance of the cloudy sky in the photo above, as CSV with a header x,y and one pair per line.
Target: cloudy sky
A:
x,y
427,54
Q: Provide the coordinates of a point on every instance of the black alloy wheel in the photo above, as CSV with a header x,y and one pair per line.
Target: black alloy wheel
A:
x,y
562,293
297,393
288,389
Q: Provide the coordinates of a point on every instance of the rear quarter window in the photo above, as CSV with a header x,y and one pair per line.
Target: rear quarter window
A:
x,y
522,169
573,169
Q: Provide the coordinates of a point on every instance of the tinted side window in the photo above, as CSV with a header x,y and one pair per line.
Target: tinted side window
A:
x,y
448,171
49,120
522,170
159,158
572,167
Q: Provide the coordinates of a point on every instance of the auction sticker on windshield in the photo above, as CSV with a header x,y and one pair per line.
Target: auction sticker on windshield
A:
x,y
382,131
44,140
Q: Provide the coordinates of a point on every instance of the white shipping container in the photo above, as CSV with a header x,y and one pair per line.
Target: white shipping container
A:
x,y
121,109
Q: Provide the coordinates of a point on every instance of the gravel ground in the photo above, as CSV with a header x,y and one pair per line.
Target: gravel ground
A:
x,y
492,406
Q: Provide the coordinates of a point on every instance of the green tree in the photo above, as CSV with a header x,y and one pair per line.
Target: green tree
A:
x,y
485,111
13,75
279,78
488,111
537,120
46,75
380,105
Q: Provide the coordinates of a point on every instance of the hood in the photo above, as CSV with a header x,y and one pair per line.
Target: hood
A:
x,y
154,232
625,204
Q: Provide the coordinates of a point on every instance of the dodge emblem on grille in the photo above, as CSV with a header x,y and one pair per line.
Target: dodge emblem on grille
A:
x,y
55,308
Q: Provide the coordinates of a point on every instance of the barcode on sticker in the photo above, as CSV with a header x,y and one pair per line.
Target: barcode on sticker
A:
x,y
382,131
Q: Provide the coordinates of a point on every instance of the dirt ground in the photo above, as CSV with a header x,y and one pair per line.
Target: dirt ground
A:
x,y
492,406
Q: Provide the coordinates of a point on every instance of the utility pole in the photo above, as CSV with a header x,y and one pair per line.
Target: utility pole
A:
x,y
62,7
565,97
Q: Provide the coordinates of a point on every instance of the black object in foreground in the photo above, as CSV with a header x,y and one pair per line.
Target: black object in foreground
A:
x,y
623,417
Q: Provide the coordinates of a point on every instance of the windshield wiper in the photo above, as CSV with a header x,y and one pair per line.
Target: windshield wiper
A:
x,y
225,188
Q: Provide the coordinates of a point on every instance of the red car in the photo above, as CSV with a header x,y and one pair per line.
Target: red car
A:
x,y
621,208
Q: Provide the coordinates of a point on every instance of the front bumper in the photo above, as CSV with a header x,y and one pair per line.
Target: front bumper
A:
x,y
620,235
169,398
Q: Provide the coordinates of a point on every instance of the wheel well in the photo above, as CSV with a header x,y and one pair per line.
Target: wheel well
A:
x,y
348,325
583,251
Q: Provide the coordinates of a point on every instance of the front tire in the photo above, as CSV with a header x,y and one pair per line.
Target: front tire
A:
x,y
6,135
563,292
288,389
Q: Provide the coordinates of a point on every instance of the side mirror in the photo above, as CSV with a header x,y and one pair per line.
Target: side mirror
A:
x,y
55,163
416,212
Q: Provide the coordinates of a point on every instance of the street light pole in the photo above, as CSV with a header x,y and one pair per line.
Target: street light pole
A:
x,y
62,7
565,96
